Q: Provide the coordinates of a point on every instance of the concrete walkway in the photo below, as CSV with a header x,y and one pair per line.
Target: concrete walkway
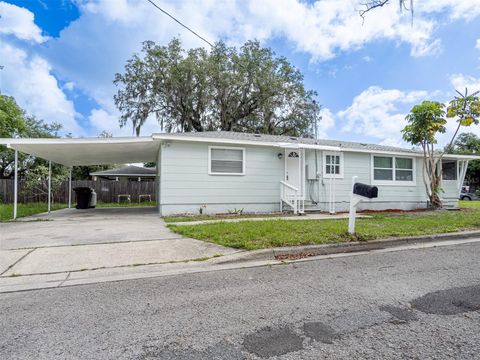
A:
x,y
73,240
293,217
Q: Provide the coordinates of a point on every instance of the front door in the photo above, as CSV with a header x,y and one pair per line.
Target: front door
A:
x,y
292,168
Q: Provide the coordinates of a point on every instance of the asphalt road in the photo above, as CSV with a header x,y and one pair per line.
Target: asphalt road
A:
x,y
416,304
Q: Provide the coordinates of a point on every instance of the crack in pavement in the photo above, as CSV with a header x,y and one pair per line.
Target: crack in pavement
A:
x,y
18,260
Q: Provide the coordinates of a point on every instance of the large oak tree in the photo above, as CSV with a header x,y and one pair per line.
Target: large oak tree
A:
x,y
248,89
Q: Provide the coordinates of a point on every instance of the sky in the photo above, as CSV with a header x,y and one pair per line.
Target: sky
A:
x,y
59,57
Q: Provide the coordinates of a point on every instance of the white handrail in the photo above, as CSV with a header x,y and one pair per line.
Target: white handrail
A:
x,y
290,195
288,185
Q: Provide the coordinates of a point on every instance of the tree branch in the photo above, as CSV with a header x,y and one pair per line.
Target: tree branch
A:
x,y
374,4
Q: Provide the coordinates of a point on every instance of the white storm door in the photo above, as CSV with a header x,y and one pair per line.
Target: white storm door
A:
x,y
292,168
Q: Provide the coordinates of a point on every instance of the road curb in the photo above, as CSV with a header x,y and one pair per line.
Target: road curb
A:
x,y
339,248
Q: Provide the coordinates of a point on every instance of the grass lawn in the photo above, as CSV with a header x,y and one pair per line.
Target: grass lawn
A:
x,y
189,218
466,204
252,235
6,210
125,204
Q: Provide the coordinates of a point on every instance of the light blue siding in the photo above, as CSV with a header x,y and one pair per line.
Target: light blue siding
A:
x,y
403,197
185,185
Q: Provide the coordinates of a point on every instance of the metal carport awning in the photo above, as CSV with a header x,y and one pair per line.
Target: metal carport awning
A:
x,y
88,151
82,151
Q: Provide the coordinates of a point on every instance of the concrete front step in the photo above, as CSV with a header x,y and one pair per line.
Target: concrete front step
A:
x,y
314,211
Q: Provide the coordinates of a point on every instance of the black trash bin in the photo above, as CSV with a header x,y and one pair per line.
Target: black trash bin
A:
x,y
84,195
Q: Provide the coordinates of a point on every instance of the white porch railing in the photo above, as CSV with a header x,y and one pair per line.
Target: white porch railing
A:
x,y
291,196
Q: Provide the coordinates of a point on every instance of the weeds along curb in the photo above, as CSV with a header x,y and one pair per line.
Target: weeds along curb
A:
x,y
338,248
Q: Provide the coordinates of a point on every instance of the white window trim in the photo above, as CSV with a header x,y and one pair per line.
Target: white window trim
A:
x,y
324,165
210,172
393,182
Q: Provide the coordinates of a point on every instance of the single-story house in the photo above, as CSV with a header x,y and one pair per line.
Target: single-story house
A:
x,y
126,173
223,171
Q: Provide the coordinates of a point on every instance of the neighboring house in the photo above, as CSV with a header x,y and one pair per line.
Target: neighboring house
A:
x,y
226,171
128,173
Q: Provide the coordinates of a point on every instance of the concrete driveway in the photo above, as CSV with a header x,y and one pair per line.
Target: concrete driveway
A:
x,y
77,240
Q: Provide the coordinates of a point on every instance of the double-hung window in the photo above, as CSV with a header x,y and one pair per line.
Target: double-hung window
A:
x,y
389,170
333,165
403,169
226,161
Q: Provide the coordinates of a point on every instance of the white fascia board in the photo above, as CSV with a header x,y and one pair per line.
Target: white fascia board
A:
x,y
11,142
244,142
321,147
461,157
288,145
213,140
135,175
167,137
384,152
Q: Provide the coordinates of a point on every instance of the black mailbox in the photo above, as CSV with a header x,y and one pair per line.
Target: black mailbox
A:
x,y
365,190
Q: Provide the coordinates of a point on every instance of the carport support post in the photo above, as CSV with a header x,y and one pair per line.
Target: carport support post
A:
x,y
15,187
49,185
70,188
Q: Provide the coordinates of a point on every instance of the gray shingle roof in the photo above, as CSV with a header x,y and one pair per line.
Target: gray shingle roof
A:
x,y
230,135
127,171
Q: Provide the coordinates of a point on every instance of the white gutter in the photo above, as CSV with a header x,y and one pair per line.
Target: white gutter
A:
x,y
322,147
135,175
214,140
46,141
277,144
11,142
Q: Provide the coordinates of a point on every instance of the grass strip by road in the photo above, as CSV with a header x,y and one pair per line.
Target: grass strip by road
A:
x,y
6,210
251,235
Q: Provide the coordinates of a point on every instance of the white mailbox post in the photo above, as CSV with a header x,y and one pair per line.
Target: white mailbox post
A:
x,y
359,192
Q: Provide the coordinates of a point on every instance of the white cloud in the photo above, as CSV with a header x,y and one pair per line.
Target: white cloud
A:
x,y
30,82
477,44
19,22
326,123
28,78
380,113
457,9
324,28
96,46
102,120
69,86
460,82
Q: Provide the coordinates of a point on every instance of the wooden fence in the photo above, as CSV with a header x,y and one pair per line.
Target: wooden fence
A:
x,y
107,191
